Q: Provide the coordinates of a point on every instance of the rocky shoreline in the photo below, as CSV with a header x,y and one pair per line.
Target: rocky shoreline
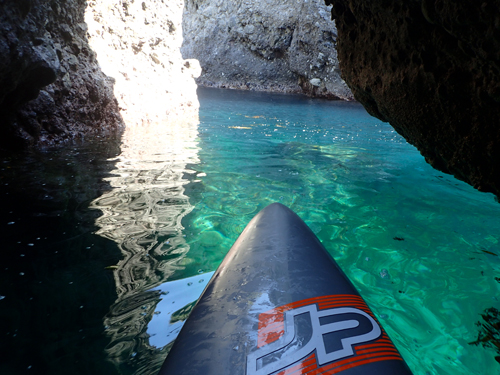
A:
x,y
432,70
77,69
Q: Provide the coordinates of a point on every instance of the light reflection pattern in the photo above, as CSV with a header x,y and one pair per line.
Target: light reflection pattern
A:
x,y
143,214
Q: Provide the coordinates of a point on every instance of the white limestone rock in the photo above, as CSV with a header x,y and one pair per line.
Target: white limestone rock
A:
x,y
138,44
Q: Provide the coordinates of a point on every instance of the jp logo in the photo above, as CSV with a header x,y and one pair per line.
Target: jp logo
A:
x,y
324,326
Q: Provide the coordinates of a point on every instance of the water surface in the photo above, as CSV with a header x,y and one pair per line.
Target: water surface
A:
x,y
105,261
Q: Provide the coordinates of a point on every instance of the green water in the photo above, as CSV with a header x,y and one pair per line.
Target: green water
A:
x,y
117,245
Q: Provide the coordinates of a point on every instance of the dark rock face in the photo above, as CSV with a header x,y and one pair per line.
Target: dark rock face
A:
x,y
432,69
51,87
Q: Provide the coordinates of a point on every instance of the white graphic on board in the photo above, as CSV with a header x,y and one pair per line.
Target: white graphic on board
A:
x,y
284,352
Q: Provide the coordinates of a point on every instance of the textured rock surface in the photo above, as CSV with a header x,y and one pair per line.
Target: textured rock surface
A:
x,y
432,69
272,45
52,88
43,47
138,44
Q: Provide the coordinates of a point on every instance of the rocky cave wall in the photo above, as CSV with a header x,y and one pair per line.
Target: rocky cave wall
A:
x,y
54,87
272,45
431,68
51,86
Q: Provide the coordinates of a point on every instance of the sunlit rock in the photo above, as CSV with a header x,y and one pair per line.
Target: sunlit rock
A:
x,y
138,44
44,46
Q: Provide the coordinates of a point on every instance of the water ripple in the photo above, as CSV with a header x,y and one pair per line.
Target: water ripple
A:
x,y
143,214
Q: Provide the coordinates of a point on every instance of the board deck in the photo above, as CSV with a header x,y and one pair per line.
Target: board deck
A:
x,y
279,304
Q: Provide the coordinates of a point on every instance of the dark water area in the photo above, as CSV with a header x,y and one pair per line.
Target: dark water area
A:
x,y
106,246
54,285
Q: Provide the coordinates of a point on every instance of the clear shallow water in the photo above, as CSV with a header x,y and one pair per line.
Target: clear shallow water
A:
x,y
127,241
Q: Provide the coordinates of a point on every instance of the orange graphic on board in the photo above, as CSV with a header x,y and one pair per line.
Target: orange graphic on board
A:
x,y
358,350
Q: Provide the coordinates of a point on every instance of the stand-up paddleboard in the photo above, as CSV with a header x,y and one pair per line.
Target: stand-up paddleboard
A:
x,y
279,304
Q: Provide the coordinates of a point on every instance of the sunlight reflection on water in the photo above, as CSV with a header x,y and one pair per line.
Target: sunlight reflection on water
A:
x,y
142,214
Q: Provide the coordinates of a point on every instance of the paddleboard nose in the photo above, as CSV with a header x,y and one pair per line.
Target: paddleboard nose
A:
x,y
279,304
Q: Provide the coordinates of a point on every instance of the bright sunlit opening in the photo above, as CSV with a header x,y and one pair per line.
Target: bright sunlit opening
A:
x,y
138,45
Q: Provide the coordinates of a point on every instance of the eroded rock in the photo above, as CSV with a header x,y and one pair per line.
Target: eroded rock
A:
x,y
432,69
43,46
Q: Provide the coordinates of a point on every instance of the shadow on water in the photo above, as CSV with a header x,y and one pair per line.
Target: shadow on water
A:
x,y
54,283
89,234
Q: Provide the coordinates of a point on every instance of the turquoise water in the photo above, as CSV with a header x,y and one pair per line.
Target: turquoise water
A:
x,y
115,240
421,246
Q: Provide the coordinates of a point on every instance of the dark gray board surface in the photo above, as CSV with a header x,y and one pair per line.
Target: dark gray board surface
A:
x,y
279,304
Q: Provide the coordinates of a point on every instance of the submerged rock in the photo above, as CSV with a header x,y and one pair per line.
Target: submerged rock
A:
x,y
431,69
272,45
489,331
